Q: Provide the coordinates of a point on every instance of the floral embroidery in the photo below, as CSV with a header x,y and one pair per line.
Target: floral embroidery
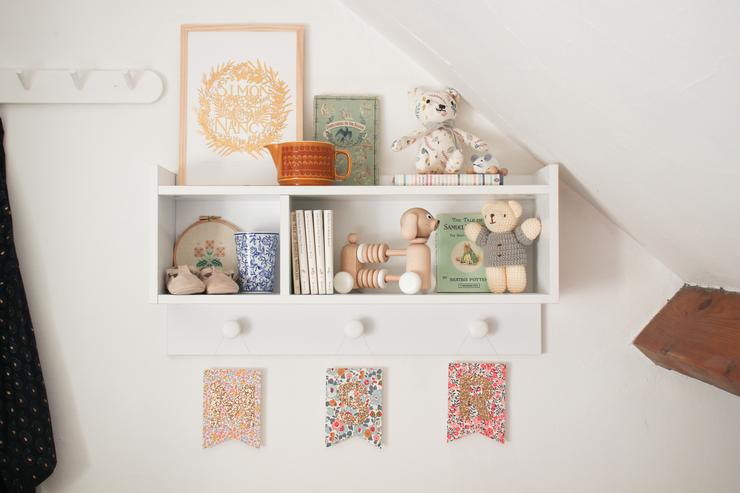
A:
x,y
476,400
210,255
354,404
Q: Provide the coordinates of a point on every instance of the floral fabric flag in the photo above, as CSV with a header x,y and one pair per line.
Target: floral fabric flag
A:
x,y
354,404
476,400
231,406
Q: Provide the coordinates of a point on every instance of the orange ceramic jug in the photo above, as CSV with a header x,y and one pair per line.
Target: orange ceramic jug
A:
x,y
307,163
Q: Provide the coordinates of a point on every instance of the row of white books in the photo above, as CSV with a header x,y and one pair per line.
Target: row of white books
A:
x,y
312,255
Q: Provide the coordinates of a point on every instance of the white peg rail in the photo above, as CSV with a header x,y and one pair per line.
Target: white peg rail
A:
x,y
24,86
392,330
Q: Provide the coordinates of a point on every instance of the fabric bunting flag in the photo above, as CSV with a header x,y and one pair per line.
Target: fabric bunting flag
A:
x,y
476,400
231,406
354,404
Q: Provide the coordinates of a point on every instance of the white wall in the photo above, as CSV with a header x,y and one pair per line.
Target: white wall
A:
x,y
592,414
629,95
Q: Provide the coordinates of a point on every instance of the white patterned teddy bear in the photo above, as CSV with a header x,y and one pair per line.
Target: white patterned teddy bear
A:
x,y
439,147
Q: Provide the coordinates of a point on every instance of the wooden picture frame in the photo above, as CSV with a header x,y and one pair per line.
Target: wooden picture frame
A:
x,y
241,87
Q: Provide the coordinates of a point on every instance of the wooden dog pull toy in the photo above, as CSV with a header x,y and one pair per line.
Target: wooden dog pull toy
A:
x,y
417,225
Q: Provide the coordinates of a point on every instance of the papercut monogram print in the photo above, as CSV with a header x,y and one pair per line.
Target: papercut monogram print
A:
x,y
231,406
235,405
353,396
476,400
475,394
353,404
242,107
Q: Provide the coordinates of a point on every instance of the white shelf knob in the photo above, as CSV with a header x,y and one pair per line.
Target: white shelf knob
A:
x,y
231,329
478,329
354,329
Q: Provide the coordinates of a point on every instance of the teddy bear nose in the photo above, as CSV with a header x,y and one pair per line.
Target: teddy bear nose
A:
x,y
441,106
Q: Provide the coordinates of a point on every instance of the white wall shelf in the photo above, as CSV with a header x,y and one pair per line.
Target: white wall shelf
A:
x,y
353,191
372,212
356,299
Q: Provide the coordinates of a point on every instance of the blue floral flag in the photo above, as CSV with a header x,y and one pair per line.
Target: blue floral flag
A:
x,y
354,404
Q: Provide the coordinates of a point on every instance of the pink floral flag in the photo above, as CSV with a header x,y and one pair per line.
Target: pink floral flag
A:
x,y
231,406
476,400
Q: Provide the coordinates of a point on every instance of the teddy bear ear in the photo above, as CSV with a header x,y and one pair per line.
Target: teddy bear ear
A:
x,y
516,207
455,95
415,92
474,157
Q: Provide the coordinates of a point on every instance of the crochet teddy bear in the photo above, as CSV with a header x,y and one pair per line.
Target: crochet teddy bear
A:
x,y
440,149
503,244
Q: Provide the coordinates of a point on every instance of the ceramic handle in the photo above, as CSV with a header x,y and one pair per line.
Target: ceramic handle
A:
x,y
349,164
354,329
231,329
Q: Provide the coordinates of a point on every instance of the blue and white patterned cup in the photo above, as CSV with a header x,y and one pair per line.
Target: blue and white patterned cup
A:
x,y
256,255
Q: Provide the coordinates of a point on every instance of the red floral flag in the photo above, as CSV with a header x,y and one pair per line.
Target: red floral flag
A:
x,y
476,400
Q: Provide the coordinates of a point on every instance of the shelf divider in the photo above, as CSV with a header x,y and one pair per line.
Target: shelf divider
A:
x,y
286,283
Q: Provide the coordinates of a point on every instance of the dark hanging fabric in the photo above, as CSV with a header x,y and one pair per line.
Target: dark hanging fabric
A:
x,y
27,454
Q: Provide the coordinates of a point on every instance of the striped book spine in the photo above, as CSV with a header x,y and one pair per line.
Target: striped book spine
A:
x,y
446,180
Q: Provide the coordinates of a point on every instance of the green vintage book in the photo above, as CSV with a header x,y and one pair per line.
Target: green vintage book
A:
x,y
460,263
349,122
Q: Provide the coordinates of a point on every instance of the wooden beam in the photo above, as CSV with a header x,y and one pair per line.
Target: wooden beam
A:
x,y
698,334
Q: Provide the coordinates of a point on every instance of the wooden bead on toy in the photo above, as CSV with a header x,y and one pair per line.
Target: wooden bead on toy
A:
x,y
410,282
343,282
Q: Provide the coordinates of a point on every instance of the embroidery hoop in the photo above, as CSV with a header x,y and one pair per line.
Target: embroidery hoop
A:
x,y
191,236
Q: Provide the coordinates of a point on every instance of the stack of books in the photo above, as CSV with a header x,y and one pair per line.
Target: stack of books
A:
x,y
312,254
444,180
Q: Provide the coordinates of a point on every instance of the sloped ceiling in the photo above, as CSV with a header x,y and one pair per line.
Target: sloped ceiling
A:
x,y
640,102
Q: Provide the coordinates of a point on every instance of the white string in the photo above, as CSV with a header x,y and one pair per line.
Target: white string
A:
x,y
465,339
241,338
364,341
220,341
487,337
369,351
341,343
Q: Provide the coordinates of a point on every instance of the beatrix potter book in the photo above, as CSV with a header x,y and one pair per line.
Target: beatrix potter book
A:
x,y
460,262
